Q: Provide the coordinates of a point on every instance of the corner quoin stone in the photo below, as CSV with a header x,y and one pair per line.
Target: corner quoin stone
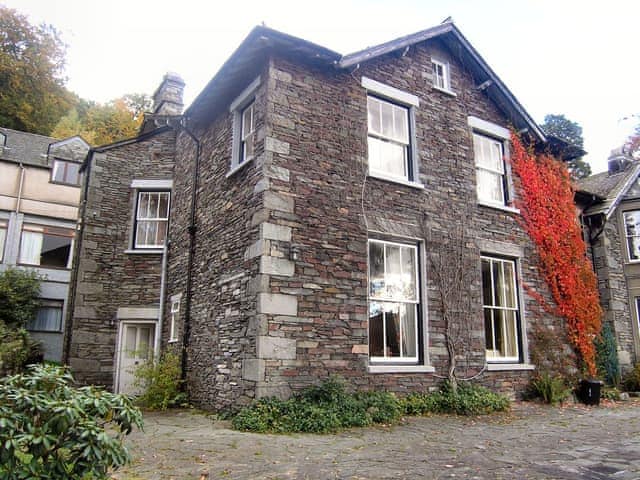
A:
x,y
277,304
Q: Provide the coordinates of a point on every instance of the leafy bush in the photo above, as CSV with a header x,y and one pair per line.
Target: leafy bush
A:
x,y
550,389
319,409
17,349
160,382
607,355
468,400
631,380
49,429
19,292
610,393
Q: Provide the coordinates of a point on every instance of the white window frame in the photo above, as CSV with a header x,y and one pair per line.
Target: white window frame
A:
x,y
415,303
410,102
445,77
492,355
245,100
59,163
157,219
628,237
174,312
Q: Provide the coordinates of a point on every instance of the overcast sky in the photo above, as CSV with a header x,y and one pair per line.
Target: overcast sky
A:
x,y
578,58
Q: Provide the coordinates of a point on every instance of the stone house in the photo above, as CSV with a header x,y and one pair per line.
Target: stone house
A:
x,y
282,228
39,196
610,206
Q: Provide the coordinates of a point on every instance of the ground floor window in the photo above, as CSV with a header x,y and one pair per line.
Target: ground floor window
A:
x,y
500,305
48,317
393,302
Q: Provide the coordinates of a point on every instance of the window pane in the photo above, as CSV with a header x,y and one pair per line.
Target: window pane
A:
x,y
30,248
634,247
143,205
163,208
487,291
55,251
153,205
489,186
393,277
401,124
409,327
386,110
632,222
48,319
509,341
376,269
488,153
373,114
409,273
488,329
509,284
376,330
73,172
392,330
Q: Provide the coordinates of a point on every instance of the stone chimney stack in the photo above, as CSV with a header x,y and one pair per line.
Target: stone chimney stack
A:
x,y
167,99
618,160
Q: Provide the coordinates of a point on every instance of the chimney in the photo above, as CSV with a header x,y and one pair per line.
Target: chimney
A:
x,y
618,160
167,99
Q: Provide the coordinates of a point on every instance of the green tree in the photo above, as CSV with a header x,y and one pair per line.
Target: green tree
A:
x,y
571,132
101,124
19,292
32,93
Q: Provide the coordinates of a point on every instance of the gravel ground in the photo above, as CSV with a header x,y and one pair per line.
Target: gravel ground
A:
x,y
531,442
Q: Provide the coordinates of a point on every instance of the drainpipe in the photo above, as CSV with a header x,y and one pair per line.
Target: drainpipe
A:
x,y
19,199
192,246
163,284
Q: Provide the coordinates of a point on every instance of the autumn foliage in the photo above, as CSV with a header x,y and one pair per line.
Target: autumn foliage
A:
x,y
549,216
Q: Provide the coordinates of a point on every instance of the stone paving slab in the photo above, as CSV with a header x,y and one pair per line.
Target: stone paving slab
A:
x,y
531,442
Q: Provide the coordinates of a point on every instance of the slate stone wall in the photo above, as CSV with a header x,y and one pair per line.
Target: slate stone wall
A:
x,y
107,277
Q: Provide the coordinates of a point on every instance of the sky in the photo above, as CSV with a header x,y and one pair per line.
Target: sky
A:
x,y
575,58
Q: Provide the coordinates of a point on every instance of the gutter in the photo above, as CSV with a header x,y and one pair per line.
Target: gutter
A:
x,y
192,228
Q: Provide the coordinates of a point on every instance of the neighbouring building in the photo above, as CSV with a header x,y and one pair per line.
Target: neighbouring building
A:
x,y
283,227
610,204
39,197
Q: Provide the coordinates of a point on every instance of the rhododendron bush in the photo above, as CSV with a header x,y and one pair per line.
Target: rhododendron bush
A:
x,y
549,217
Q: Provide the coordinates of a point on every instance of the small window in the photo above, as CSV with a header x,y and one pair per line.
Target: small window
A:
x,y
632,233
393,302
46,246
175,311
243,111
441,75
48,318
3,239
65,172
490,170
152,218
388,140
247,131
501,313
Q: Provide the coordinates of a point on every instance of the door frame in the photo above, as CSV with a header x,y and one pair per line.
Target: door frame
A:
x,y
119,341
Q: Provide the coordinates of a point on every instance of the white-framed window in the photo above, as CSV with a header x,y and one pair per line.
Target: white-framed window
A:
x,y
441,78
632,234
152,219
175,312
490,169
46,246
3,239
48,317
393,302
65,172
243,110
501,312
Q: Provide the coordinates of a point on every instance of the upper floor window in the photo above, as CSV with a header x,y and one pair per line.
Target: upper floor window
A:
x,y
393,302
243,111
46,246
441,75
388,140
65,172
152,219
500,305
247,130
632,234
490,169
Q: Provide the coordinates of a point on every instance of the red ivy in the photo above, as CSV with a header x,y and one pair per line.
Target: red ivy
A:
x,y
549,217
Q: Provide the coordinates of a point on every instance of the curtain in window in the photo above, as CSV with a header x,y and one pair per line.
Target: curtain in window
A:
x,y
30,248
48,319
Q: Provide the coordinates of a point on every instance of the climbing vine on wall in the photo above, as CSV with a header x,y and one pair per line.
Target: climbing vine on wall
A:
x,y
549,217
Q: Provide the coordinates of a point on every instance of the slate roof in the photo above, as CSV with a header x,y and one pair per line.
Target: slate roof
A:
x,y
610,187
27,148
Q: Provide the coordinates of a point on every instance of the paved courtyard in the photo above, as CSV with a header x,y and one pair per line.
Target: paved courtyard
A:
x,y
530,442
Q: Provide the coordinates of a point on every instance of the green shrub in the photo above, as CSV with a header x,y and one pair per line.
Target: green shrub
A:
x,y
607,355
19,292
160,382
17,349
631,380
549,388
49,429
468,400
610,393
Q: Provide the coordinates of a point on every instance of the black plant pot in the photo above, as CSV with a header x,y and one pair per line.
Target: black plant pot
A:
x,y
589,391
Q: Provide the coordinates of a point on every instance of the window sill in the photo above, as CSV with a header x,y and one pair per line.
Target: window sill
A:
x,y
76,185
237,168
400,369
504,208
150,251
500,367
444,90
400,181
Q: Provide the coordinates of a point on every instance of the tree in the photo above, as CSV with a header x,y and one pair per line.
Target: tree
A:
x,y
571,132
100,124
32,93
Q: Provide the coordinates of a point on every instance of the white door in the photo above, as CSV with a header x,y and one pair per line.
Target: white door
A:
x,y
136,346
